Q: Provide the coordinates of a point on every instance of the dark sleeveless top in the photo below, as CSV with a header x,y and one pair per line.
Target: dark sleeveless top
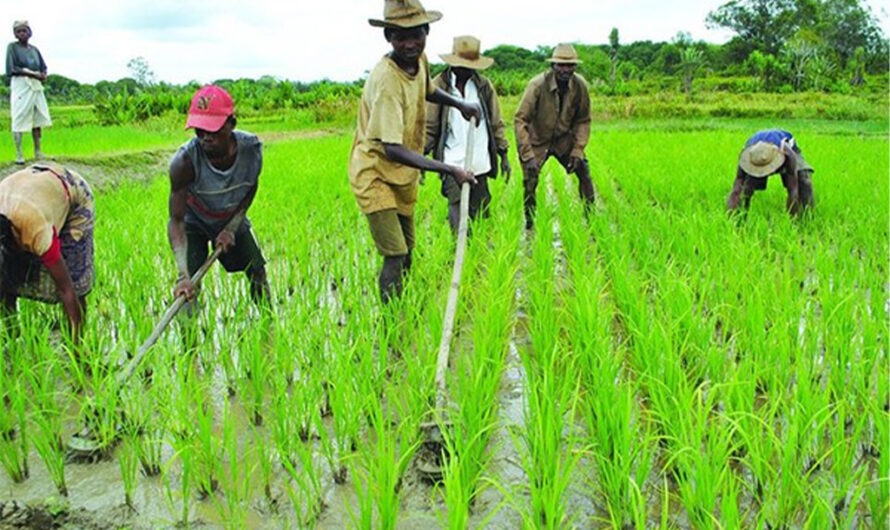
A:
x,y
214,194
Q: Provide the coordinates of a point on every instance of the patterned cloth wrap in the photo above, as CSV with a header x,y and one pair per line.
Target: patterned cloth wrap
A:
x,y
76,240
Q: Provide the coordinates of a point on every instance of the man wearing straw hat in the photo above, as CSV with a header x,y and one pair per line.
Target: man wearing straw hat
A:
x,y
387,152
554,120
26,71
446,130
767,153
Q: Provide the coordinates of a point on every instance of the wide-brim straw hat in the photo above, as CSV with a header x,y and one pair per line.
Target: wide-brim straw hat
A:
x,y
404,14
564,53
465,54
761,159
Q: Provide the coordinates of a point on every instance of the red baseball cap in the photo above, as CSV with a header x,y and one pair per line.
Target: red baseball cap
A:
x,y
211,106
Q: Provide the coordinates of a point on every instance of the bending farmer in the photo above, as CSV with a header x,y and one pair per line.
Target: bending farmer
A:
x,y
554,120
46,240
387,153
767,153
213,180
27,104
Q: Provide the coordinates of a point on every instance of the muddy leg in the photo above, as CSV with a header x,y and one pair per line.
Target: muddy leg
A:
x,y
585,185
259,287
36,134
741,194
390,279
529,186
792,203
805,189
19,156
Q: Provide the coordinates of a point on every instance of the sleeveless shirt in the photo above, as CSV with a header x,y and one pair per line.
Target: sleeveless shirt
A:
x,y
214,194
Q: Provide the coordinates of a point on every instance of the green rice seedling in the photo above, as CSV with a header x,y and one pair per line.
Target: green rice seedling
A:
x,y
46,418
149,419
702,461
256,360
381,463
236,475
13,420
208,451
183,452
128,461
361,513
346,416
877,494
100,410
305,475
729,502
265,462
285,427
546,451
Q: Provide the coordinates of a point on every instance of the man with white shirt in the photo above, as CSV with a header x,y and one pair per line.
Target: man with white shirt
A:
x,y
446,130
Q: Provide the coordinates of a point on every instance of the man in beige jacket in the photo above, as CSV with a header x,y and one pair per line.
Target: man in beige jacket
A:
x,y
554,120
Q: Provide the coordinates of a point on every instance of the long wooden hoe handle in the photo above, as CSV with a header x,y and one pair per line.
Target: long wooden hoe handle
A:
x,y
451,305
165,320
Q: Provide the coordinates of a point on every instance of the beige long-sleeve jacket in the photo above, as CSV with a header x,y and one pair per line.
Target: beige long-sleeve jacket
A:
x,y
543,124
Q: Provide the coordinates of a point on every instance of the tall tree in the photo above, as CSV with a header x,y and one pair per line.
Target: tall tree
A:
x,y
764,24
613,53
141,71
768,25
849,24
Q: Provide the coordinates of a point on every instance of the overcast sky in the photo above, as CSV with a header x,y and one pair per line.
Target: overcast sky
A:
x,y
203,40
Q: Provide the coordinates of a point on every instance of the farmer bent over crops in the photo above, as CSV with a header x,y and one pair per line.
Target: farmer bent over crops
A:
x,y
446,131
46,240
213,180
27,104
767,153
387,151
554,120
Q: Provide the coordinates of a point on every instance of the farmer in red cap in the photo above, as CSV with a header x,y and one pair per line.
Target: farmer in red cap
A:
x,y
767,153
213,180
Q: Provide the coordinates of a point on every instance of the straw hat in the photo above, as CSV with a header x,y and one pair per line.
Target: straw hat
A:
x,y
761,159
465,53
404,14
564,53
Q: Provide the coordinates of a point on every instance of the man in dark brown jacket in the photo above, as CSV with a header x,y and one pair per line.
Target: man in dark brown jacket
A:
x,y
446,131
554,120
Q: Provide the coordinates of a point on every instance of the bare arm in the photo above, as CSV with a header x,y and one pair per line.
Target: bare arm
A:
x,y
181,174
59,273
402,155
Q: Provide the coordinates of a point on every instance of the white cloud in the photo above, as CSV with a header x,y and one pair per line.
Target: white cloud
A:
x,y
203,40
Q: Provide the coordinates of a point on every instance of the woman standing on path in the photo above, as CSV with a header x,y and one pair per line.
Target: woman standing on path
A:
x,y
27,72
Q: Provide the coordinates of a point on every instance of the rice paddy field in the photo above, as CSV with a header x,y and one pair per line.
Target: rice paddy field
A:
x,y
656,365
